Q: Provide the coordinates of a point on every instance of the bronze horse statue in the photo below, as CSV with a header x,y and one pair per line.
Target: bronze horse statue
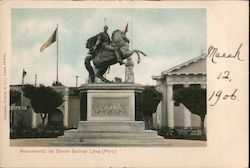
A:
x,y
102,59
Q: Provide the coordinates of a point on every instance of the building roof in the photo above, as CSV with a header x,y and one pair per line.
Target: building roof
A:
x,y
175,69
195,66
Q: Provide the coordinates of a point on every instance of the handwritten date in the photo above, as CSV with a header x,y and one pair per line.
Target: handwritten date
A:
x,y
221,96
214,55
225,75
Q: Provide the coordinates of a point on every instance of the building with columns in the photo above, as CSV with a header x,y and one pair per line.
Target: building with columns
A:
x,y
170,114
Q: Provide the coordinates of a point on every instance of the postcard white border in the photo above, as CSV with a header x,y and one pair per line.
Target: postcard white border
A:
x,y
227,145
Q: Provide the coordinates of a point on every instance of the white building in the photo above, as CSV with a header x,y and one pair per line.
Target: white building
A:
x,y
170,114
68,114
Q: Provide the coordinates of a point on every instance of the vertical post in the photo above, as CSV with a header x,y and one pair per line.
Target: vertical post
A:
x,y
66,107
170,106
131,38
77,81
187,113
35,79
33,114
57,53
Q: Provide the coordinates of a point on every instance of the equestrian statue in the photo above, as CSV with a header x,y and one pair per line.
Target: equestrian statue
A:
x,y
105,52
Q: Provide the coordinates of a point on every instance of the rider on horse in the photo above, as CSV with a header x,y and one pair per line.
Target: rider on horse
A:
x,y
97,44
103,43
103,55
103,39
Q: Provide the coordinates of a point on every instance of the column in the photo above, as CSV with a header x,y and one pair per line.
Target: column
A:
x,y
66,107
203,86
170,106
186,85
33,119
187,113
164,111
187,118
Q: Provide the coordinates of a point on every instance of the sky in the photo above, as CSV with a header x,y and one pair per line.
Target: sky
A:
x,y
168,36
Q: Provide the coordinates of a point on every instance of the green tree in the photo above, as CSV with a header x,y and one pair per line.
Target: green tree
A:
x,y
15,97
151,99
193,99
43,99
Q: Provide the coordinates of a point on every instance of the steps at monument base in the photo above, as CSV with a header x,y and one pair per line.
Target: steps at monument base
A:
x,y
113,140
133,141
102,134
119,126
81,144
110,133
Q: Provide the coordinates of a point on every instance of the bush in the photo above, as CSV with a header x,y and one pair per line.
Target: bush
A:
x,y
169,133
40,132
166,131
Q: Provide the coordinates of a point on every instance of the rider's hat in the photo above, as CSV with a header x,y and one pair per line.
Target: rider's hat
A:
x,y
105,27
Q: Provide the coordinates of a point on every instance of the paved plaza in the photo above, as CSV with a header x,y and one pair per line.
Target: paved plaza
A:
x,y
46,141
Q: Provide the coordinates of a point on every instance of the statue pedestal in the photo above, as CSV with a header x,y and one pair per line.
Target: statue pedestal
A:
x,y
111,115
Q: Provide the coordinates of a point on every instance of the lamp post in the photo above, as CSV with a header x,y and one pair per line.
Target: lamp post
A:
x,y
77,81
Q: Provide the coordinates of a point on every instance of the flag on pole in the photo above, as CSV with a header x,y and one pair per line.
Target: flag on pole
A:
x,y
126,29
51,40
24,73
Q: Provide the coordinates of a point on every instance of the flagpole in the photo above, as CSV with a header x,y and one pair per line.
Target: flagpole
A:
x,y
35,79
57,54
131,39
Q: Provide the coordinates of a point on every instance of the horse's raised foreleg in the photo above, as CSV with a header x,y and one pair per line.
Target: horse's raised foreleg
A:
x,y
139,58
128,54
141,53
138,52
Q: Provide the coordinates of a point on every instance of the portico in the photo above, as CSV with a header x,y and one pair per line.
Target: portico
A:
x,y
188,74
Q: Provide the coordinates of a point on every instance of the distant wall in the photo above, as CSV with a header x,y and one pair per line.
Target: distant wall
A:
x,y
74,111
22,117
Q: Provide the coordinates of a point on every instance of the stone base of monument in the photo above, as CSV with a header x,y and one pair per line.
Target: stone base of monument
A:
x,y
99,133
111,115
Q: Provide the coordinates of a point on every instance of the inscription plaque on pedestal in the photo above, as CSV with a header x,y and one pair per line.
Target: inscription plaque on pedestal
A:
x,y
110,105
